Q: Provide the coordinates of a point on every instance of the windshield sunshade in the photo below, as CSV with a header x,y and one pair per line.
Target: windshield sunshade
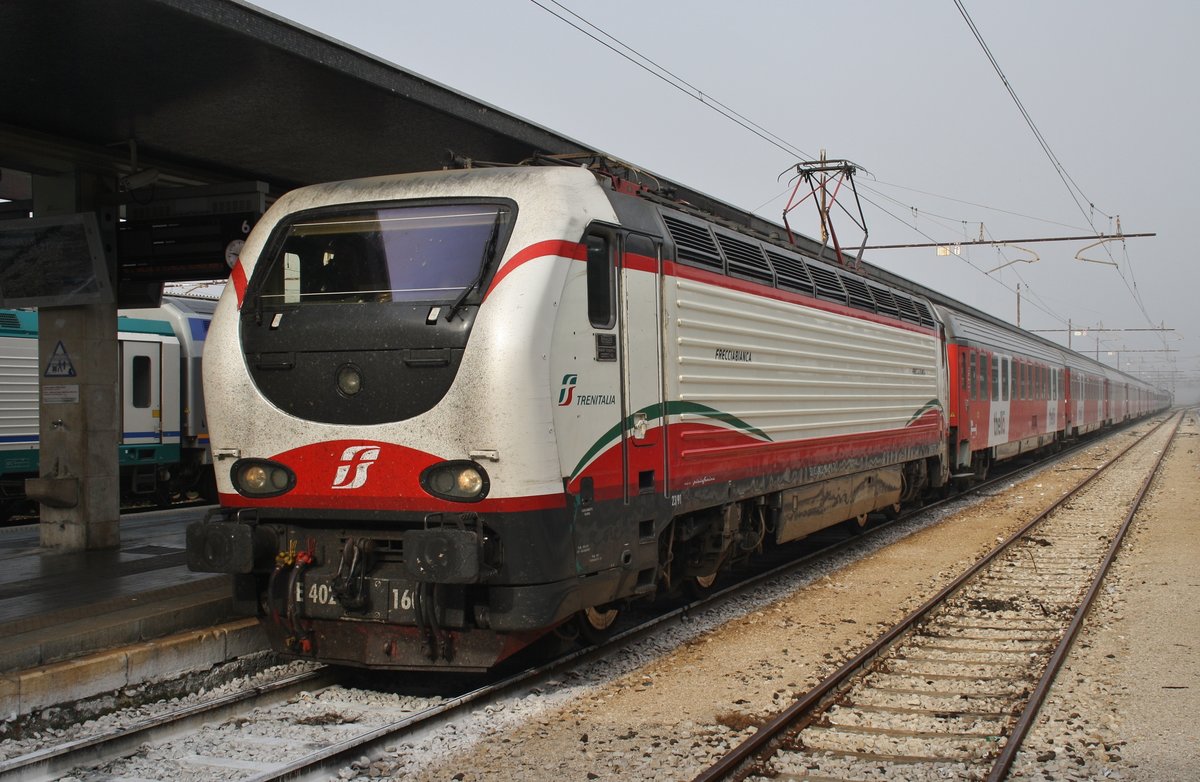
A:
x,y
414,254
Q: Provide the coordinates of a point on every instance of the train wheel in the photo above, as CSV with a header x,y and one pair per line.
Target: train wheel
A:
x,y
596,624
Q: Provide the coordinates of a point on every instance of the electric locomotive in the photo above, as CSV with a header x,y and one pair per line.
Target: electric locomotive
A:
x,y
454,411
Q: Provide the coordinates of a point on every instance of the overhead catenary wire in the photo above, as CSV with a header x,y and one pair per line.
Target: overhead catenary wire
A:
x,y
619,47
1073,188
629,53
661,72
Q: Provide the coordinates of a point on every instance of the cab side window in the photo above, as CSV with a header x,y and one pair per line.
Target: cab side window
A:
x,y
601,282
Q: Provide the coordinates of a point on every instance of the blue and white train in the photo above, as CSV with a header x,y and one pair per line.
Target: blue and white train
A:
x,y
163,444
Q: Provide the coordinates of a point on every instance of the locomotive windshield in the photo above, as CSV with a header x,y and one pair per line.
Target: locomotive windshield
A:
x,y
412,254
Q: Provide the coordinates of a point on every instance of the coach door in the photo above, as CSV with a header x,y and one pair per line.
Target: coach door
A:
x,y
141,392
641,370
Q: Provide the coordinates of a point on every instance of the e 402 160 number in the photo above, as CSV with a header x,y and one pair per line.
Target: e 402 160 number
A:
x,y
403,600
318,594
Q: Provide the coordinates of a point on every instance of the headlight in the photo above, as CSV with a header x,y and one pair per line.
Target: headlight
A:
x,y
349,379
460,481
261,478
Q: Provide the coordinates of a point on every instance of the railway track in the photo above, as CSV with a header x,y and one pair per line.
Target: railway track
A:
x,y
950,691
314,725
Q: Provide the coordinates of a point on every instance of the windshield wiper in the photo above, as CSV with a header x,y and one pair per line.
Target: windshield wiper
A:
x,y
488,249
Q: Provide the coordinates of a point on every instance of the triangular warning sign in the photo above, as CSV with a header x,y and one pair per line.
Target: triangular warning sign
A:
x,y
60,363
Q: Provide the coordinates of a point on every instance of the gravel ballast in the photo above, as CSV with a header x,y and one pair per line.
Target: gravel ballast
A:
x,y
666,708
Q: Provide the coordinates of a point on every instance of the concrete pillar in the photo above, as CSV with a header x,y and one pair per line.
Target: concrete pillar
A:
x,y
78,484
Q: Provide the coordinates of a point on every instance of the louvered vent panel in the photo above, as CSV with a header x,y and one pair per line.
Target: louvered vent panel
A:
x,y
791,273
827,282
926,317
908,308
860,295
9,320
693,244
745,260
885,302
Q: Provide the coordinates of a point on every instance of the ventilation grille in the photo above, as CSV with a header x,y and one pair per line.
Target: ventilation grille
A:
x,y
924,316
858,293
791,273
885,301
827,282
698,245
746,260
694,244
9,320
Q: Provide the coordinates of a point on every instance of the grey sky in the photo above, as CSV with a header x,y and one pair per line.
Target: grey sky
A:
x,y
903,90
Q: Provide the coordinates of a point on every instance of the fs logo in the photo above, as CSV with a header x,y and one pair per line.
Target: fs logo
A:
x,y
567,392
352,472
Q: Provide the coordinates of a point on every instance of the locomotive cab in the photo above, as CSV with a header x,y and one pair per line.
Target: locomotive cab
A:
x,y
390,465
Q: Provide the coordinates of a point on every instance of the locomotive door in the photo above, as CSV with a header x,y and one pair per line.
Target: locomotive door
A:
x,y
642,410
141,393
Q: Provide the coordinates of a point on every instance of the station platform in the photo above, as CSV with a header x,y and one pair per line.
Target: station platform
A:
x,y
77,624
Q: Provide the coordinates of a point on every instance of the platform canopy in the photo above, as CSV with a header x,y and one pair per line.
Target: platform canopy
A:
x,y
216,90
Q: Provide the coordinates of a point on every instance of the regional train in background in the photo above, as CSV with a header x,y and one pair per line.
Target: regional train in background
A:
x,y
163,438
453,411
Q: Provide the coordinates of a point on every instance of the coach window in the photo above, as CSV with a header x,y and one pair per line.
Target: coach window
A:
x,y
141,381
601,282
996,378
1004,379
984,358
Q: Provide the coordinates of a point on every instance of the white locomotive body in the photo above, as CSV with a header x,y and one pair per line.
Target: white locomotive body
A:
x,y
452,411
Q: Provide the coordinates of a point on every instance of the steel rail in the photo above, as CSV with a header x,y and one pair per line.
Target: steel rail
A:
x,y
317,764
53,762
770,734
1024,723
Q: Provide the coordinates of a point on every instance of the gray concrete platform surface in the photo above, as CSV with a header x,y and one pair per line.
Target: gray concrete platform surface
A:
x,y
78,624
